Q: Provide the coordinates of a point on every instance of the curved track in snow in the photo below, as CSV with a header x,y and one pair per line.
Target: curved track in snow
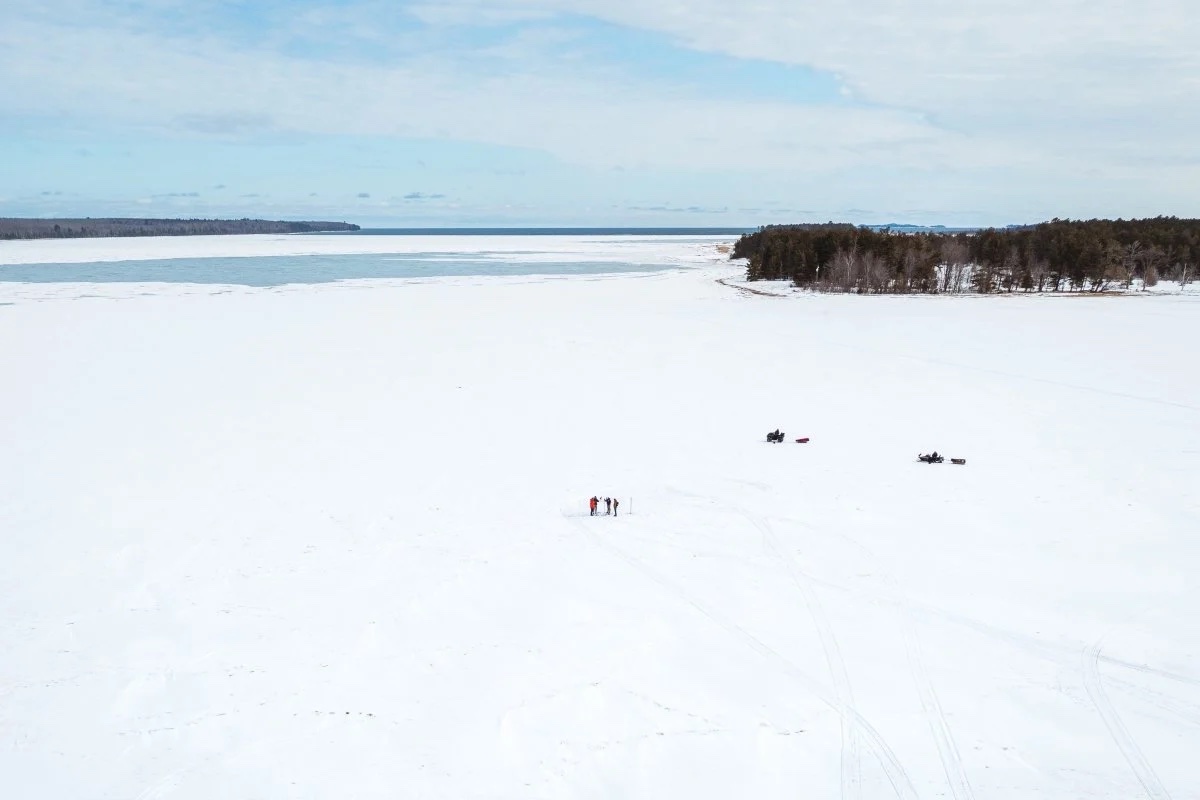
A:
x,y
898,777
1094,683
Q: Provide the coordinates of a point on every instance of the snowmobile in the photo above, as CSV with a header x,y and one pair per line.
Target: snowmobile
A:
x,y
775,436
934,458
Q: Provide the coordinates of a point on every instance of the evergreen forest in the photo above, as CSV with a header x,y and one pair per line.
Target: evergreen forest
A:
x,y
1056,256
13,228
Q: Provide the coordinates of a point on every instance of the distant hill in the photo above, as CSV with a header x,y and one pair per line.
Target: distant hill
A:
x,y
100,227
900,227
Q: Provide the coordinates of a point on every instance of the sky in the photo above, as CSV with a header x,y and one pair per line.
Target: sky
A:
x,y
600,112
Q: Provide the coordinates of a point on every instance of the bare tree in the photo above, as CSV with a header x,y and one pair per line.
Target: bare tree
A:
x,y
1151,258
954,258
843,271
1117,266
1184,272
877,276
1039,272
911,264
1010,270
1149,276
1130,257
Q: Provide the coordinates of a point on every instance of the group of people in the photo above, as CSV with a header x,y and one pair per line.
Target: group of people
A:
x,y
610,505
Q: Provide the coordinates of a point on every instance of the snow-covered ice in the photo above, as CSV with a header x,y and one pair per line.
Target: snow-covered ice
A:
x,y
649,248
332,541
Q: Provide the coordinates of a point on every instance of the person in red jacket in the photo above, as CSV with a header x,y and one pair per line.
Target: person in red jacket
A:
x,y
595,501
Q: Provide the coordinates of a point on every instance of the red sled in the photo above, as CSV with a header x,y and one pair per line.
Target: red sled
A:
x,y
802,441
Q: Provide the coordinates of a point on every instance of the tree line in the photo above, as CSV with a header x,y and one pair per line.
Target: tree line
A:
x,y
13,228
1060,255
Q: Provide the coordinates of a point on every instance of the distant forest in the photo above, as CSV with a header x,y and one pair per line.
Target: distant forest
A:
x,y
1055,256
103,227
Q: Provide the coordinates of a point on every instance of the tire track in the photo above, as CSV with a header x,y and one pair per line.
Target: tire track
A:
x,y
1094,683
956,774
931,706
1180,710
1064,654
943,738
896,774
851,770
162,787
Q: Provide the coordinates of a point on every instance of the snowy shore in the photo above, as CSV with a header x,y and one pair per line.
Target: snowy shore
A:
x,y
332,541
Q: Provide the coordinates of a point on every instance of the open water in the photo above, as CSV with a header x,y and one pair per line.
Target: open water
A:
x,y
276,270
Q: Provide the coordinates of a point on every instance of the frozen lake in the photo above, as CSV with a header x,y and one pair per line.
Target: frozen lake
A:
x,y
331,540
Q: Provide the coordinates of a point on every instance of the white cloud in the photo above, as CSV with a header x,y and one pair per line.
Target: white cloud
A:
x,y
984,65
1098,94
206,87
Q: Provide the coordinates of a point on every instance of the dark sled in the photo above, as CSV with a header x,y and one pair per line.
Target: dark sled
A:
x,y
959,461
802,441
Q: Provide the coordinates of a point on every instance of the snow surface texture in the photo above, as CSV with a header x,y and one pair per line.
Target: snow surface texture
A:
x,y
333,542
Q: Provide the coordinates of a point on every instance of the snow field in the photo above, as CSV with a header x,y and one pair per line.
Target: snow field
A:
x,y
325,542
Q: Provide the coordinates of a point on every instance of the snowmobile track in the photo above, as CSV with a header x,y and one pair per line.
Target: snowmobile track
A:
x,y
851,773
1094,683
956,775
898,777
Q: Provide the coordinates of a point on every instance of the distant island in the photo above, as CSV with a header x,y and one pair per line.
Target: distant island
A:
x,y
13,228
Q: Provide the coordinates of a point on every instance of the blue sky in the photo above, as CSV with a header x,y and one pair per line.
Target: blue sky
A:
x,y
577,112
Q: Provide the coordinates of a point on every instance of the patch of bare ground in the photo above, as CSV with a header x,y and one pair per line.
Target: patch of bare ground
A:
x,y
747,289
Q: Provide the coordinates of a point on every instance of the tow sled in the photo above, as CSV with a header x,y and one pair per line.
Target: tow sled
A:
x,y
932,459
777,437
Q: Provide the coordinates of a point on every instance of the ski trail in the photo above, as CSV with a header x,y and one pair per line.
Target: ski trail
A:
x,y
1125,742
896,774
843,692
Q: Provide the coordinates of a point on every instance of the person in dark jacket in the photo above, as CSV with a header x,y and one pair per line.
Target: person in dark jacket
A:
x,y
607,506
616,503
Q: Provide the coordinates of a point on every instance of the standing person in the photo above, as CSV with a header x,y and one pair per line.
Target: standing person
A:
x,y
607,506
616,503
595,501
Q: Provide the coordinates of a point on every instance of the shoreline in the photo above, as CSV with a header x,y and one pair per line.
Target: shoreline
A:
x,y
38,228
248,516
79,251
